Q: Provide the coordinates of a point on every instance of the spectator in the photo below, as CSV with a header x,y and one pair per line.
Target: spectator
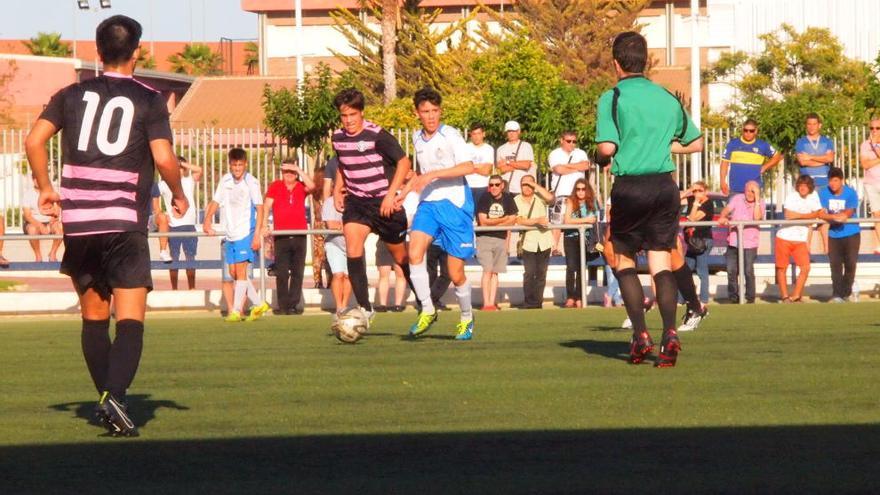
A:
x,y
580,208
494,208
483,156
612,288
286,200
240,202
744,206
568,163
334,247
37,223
531,205
699,209
839,203
747,158
189,177
515,158
815,154
385,263
4,263
158,221
870,161
792,242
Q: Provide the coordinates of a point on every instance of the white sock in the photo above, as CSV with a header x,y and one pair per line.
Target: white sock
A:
x,y
240,293
252,293
463,293
419,276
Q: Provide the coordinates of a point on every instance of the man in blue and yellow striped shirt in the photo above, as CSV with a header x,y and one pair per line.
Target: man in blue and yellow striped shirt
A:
x,y
747,158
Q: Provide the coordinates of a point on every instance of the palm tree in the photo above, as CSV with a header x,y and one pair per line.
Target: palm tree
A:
x,y
389,49
251,56
145,59
48,45
197,59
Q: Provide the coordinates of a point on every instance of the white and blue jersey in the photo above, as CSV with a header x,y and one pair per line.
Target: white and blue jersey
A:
x,y
446,208
818,147
238,202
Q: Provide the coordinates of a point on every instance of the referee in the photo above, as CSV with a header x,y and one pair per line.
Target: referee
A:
x,y
639,123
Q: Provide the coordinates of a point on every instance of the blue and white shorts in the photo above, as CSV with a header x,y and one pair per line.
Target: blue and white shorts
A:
x,y
240,250
451,227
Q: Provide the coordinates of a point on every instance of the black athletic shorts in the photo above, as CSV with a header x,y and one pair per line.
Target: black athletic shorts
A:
x,y
644,213
365,211
103,262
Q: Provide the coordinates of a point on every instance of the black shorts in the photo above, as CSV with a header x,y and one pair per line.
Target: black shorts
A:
x,y
644,213
103,262
365,211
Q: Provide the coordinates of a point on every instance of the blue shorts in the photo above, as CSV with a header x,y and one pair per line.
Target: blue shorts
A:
x,y
240,250
226,276
187,244
451,227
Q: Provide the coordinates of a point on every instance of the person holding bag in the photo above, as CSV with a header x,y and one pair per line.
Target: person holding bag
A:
x,y
534,245
698,240
582,207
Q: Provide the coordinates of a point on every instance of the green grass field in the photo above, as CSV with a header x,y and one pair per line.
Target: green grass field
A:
x,y
765,398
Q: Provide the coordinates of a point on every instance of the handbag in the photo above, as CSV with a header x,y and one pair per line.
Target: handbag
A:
x,y
522,234
695,245
592,243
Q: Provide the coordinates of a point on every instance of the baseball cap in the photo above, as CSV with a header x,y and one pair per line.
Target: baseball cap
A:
x,y
511,125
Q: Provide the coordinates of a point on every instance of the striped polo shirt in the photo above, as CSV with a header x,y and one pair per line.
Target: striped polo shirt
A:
x,y
367,160
108,169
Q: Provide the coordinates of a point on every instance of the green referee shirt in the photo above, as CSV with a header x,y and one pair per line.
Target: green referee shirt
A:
x,y
648,119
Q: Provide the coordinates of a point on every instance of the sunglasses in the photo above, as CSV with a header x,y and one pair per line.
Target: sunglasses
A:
x,y
570,141
750,130
287,172
494,184
875,128
579,189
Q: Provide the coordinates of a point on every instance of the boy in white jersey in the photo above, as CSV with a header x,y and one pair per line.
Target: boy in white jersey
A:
x,y
239,196
445,212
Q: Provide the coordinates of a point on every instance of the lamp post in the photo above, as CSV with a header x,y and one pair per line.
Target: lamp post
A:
x,y
84,5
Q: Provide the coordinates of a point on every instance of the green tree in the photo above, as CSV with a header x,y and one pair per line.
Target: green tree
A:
x,y
251,57
146,60
48,45
197,59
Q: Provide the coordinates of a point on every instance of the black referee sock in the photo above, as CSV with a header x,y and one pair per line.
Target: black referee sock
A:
x,y
125,355
633,298
667,297
357,273
96,350
684,278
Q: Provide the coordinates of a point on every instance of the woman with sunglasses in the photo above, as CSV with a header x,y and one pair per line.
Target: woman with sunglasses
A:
x,y
869,157
582,207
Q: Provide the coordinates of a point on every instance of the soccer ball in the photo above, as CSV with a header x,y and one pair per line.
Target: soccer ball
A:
x,y
351,326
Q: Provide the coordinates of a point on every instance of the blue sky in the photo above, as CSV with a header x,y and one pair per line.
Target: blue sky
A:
x,y
172,20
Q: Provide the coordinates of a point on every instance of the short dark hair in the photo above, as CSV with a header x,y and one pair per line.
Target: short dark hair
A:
x,y
630,50
813,115
237,154
349,97
750,121
568,132
477,125
496,176
805,179
835,172
117,38
427,94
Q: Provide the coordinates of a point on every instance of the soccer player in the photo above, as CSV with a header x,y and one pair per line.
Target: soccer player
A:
x,y
445,212
639,123
371,171
240,200
115,130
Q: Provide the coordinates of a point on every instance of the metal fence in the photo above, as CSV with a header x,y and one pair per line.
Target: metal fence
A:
x,y
208,148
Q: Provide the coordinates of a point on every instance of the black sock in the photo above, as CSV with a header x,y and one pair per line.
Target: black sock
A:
x,y
357,273
96,350
667,297
633,298
125,355
684,279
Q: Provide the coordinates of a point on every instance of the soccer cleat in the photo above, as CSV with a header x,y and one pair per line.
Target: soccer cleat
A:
x,y
165,255
670,346
371,315
234,316
692,319
648,305
465,330
640,347
422,324
115,417
258,311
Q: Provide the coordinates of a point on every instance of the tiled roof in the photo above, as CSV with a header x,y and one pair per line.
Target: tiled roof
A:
x,y
226,102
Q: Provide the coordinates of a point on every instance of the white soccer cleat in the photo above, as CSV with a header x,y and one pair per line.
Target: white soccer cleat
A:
x,y
165,255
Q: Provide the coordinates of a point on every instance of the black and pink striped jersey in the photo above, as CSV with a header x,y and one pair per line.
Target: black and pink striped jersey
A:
x,y
367,160
107,124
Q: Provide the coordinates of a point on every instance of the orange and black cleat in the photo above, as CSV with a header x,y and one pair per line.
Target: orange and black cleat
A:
x,y
640,347
670,346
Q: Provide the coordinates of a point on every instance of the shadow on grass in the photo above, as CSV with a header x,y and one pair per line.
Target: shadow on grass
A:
x,y
143,409
789,459
610,349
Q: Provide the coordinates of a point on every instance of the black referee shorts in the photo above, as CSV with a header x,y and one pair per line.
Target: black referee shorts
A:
x,y
365,211
103,262
644,213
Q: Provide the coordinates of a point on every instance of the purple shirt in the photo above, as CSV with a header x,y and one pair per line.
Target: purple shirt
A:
x,y
740,209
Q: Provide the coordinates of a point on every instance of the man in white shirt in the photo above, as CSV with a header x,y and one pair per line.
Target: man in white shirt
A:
x,y
239,197
515,158
36,223
483,158
792,242
568,163
189,177
445,213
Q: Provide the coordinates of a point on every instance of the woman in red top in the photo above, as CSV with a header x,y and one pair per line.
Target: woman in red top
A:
x,y
286,200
